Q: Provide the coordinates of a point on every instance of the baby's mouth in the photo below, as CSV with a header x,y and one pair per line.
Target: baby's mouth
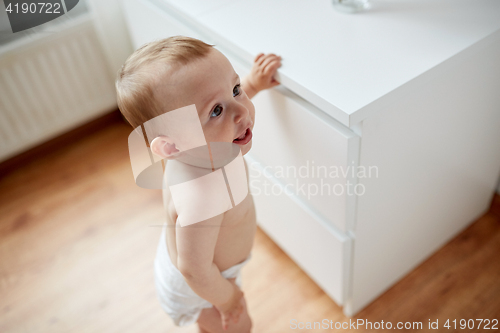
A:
x,y
244,138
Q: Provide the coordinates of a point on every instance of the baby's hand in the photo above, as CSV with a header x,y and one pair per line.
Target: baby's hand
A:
x,y
233,308
262,74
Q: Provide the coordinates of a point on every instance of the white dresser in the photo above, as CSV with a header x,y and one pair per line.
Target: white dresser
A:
x,y
407,92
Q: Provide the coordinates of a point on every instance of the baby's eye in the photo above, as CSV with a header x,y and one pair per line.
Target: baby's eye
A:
x,y
236,90
217,111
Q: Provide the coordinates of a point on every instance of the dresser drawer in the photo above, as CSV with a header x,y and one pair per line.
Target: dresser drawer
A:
x,y
313,244
313,155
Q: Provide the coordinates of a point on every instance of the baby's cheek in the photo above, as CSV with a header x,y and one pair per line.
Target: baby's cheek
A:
x,y
210,135
221,134
252,111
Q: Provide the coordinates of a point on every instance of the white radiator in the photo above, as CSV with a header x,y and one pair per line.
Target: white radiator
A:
x,y
52,84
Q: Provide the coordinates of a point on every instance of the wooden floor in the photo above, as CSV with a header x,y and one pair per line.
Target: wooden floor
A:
x,y
77,247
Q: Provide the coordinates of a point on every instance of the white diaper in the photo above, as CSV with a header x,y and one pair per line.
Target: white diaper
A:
x,y
177,299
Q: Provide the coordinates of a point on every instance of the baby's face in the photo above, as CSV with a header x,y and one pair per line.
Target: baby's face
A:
x,y
225,111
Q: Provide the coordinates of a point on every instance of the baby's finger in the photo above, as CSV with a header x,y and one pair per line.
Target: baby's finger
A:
x,y
261,60
225,322
258,56
267,61
275,83
237,315
272,66
269,56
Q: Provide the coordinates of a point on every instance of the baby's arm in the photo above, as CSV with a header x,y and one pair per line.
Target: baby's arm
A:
x,y
262,74
195,248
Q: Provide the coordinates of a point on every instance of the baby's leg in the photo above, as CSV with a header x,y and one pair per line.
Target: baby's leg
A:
x,y
210,321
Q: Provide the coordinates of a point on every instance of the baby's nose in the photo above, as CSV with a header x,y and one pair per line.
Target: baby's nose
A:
x,y
240,113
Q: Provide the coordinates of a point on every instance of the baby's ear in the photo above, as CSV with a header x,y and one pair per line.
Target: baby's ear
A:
x,y
164,147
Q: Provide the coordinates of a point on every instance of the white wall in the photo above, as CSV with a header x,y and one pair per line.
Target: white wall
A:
x,y
112,31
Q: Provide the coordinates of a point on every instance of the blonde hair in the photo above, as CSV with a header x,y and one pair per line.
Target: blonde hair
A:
x,y
134,88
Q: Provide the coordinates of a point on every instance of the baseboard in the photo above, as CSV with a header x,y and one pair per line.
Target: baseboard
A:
x,y
62,140
495,204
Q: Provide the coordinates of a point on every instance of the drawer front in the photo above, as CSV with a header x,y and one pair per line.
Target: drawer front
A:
x,y
309,152
310,242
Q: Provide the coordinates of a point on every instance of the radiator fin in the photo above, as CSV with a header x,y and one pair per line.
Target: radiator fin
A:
x,y
52,85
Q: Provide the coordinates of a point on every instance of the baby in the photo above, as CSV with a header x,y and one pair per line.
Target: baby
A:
x,y
197,267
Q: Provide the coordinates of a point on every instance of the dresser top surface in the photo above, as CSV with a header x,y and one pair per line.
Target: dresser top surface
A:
x,y
343,62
